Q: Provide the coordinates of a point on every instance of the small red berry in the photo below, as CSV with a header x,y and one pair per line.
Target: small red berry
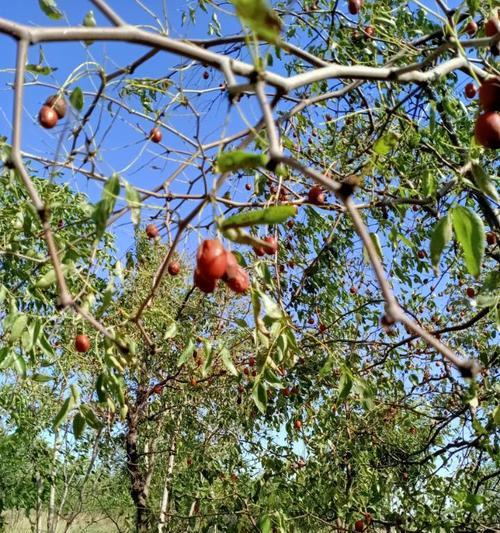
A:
x,y
471,28
82,343
355,6
316,195
487,130
359,525
205,285
211,259
491,238
272,245
152,231
259,251
58,103
470,90
489,94
174,268
470,292
155,135
421,254
492,27
47,117
248,187
297,424
369,31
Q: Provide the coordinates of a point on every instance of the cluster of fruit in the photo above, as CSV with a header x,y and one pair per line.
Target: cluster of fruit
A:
x,y
53,109
214,262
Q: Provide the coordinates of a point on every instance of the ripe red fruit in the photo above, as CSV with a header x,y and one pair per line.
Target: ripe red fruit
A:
x,y
290,223
316,195
174,268
58,103
369,31
310,320
239,282
205,285
489,94
82,343
272,245
155,135
259,251
297,424
491,238
286,392
353,290
152,231
492,27
322,328
47,117
470,90
421,254
355,6
359,525
251,361
248,187
470,292
471,28
211,259
487,130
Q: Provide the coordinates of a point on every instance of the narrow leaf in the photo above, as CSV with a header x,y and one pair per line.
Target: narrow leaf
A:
x,y
49,7
63,413
469,231
228,361
78,425
259,395
76,98
186,353
440,237
18,327
271,215
231,161
134,202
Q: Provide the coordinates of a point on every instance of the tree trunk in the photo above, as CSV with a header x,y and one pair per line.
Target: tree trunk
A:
x,y
165,501
139,489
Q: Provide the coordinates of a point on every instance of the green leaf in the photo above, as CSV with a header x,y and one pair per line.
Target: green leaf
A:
x,y
428,183
496,415
41,378
171,331
90,417
78,425
484,183
49,7
89,21
39,70
271,215
76,98
265,524
441,236
386,143
469,231
259,395
345,385
63,413
228,361
376,244
134,202
231,161
186,353
18,327
20,365
105,206
260,18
